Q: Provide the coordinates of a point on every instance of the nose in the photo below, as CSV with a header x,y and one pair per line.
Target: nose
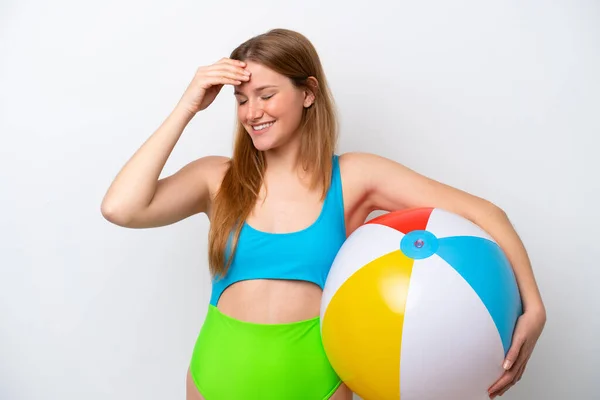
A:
x,y
254,112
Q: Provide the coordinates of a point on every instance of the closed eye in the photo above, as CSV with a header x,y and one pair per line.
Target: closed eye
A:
x,y
242,102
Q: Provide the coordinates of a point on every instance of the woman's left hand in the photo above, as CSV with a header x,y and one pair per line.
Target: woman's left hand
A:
x,y
527,331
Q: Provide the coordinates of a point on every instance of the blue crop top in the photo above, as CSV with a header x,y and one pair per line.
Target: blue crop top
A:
x,y
302,255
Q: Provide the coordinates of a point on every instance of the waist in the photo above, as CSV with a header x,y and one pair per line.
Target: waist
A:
x,y
271,301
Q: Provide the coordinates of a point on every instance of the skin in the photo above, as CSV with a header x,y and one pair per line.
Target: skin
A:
x,y
365,179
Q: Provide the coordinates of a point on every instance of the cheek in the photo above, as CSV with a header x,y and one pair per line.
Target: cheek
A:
x,y
288,111
277,107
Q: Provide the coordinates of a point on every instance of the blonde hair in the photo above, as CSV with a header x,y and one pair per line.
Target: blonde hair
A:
x,y
290,54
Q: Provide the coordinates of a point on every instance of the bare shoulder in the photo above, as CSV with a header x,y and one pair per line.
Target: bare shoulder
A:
x,y
354,161
206,171
215,167
354,171
356,168
359,159
219,167
386,184
212,161
191,190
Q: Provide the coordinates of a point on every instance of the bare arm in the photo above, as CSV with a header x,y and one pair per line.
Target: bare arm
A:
x,y
411,189
372,175
137,198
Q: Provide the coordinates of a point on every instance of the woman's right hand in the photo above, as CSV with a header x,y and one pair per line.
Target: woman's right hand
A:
x,y
209,80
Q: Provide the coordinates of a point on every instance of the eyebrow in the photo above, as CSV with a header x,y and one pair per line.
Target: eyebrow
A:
x,y
258,89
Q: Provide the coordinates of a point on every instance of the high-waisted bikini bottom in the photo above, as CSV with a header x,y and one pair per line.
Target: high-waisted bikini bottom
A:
x,y
237,360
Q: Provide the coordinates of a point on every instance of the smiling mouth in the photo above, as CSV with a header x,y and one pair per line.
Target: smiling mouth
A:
x,y
262,127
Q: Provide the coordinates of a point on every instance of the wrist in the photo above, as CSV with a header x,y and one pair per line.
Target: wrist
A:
x,y
183,112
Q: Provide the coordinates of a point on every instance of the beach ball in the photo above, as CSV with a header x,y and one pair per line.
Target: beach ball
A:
x,y
419,304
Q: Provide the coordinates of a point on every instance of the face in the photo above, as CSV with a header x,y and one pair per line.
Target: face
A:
x,y
270,106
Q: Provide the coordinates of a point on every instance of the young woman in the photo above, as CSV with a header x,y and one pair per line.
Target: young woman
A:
x,y
279,210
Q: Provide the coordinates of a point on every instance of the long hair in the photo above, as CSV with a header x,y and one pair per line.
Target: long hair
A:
x,y
290,54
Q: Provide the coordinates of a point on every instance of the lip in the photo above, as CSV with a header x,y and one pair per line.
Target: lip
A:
x,y
264,130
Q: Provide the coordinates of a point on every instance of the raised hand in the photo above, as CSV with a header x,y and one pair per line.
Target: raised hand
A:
x,y
209,80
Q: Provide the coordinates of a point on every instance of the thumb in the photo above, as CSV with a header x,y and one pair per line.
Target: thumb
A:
x,y
513,354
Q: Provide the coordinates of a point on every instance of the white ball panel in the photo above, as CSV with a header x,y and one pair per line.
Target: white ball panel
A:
x,y
445,224
451,348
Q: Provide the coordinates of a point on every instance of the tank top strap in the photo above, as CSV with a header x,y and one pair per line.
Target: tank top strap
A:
x,y
335,201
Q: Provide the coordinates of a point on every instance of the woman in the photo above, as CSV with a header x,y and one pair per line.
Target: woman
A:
x,y
278,214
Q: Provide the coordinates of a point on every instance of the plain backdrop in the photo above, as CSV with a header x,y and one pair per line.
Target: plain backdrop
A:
x,y
501,99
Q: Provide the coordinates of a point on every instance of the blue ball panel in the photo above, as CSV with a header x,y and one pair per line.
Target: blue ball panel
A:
x,y
486,269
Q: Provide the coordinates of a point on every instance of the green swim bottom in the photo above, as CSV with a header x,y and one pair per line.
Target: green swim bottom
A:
x,y
237,360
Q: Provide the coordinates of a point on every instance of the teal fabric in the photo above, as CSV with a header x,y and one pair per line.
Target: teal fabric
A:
x,y
304,255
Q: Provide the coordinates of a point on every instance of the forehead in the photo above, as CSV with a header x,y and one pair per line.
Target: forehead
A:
x,y
261,76
260,71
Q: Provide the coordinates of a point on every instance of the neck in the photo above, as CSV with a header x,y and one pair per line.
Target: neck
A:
x,y
285,159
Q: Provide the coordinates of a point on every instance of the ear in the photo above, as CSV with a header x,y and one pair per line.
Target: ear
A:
x,y
309,93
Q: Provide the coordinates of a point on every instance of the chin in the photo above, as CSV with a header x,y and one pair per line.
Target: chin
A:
x,y
269,141
263,145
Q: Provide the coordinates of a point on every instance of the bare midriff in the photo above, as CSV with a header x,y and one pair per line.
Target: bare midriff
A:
x,y
271,301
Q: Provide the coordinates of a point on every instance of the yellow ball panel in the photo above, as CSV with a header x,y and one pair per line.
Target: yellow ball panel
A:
x,y
362,327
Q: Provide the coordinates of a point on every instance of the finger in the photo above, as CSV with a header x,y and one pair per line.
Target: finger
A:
x,y
500,393
522,370
220,80
513,354
228,75
507,378
519,372
230,72
230,61
228,67
512,382
501,383
524,355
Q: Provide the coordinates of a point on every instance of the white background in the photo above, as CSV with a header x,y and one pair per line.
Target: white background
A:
x,y
497,98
